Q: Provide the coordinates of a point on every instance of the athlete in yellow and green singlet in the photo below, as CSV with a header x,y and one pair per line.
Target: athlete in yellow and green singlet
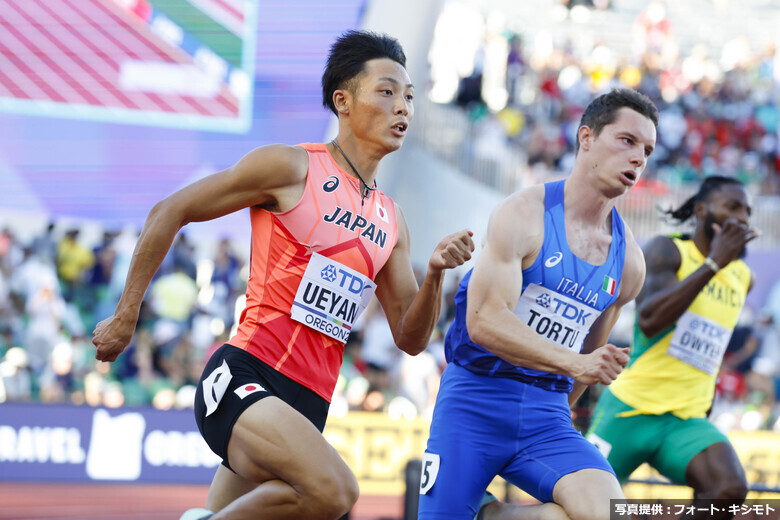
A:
x,y
695,288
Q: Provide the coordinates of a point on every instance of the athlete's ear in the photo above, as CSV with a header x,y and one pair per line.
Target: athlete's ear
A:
x,y
585,135
342,99
700,210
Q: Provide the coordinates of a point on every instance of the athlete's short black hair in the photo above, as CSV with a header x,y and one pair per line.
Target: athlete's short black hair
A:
x,y
348,56
710,185
603,110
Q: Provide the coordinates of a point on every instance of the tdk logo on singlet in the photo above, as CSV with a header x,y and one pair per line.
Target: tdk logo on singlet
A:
x,y
707,330
357,223
348,281
561,308
328,273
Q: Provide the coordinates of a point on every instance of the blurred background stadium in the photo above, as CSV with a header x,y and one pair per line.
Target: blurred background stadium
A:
x,y
107,106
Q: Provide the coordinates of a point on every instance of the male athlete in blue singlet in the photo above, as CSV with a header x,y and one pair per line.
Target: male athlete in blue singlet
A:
x,y
530,332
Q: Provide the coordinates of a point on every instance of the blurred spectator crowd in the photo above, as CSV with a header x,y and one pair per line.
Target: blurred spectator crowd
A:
x,y
57,286
718,113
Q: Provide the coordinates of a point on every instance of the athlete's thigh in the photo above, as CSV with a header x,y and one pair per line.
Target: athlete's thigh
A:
x,y
686,439
454,478
626,442
264,425
716,467
551,455
270,440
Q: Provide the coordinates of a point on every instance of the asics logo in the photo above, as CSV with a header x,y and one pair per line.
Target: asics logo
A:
x,y
554,260
331,184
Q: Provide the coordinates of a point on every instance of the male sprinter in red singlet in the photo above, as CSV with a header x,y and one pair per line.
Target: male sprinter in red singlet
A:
x,y
324,240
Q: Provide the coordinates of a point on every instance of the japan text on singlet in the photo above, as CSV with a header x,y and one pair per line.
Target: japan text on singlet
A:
x,y
312,272
675,371
562,297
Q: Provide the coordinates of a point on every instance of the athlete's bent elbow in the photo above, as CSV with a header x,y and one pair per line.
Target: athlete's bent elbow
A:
x,y
647,327
647,320
411,349
161,212
171,210
478,330
157,211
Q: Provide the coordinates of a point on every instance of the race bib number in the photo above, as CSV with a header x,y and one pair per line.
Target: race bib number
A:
x,y
555,317
331,297
430,470
603,446
699,342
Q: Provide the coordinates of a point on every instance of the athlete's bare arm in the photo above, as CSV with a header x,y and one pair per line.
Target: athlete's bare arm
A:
x,y
412,312
272,177
664,298
514,238
631,282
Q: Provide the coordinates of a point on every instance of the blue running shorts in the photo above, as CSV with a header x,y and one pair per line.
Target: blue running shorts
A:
x,y
485,426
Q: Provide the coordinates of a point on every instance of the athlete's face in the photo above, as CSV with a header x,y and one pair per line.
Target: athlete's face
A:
x,y
382,107
728,202
618,155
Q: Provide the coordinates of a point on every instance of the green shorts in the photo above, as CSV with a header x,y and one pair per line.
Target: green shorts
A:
x,y
666,442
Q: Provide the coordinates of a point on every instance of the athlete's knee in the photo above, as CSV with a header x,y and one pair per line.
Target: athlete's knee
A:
x,y
588,494
584,513
346,492
552,511
331,498
733,487
590,508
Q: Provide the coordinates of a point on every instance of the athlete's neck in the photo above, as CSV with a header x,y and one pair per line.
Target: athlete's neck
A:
x,y
586,204
362,162
701,240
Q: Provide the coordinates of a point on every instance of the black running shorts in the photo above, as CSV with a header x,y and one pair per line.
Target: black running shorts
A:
x,y
234,379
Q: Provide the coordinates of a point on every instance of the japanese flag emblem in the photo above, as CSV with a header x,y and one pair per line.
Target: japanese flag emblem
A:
x,y
381,212
251,388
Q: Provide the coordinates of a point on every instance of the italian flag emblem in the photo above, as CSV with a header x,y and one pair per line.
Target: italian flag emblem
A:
x,y
609,285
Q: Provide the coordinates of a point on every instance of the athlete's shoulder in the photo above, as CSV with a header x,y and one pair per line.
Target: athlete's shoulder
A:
x,y
525,206
633,248
634,268
527,201
516,225
662,253
279,158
